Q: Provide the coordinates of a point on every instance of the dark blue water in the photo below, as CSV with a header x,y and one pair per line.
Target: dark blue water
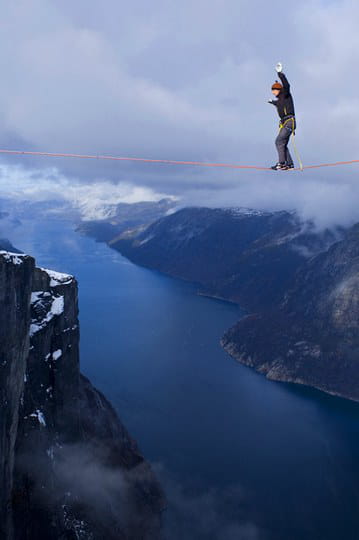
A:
x,y
240,457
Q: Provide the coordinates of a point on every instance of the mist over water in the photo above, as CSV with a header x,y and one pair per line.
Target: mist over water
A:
x,y
239,456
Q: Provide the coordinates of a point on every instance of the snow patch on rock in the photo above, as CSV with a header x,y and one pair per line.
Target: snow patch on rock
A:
x,y
40,416
13,258
57,278
57,354
57,308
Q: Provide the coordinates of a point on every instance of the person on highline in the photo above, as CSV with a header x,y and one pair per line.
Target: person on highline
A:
x,y
285,107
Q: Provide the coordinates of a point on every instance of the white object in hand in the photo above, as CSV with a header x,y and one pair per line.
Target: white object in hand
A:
x,y
279,67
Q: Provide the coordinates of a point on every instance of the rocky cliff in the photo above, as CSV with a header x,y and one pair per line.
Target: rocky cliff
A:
x,y
312,338
69,469
15,291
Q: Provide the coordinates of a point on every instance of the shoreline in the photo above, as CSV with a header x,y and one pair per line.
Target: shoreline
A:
x,y
298,383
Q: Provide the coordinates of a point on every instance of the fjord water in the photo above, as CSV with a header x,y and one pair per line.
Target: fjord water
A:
x,y
240,457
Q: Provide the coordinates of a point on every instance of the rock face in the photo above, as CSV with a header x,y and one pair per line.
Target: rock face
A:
x,y
241,255
15,292
69,469
312,338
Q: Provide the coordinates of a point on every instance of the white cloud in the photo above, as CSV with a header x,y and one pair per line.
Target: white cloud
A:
x,y
186,81
93,200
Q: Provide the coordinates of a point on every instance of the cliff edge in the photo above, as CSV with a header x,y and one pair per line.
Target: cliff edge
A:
x,y
69,468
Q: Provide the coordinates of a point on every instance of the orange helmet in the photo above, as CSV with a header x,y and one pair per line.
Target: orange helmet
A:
x,y
277,86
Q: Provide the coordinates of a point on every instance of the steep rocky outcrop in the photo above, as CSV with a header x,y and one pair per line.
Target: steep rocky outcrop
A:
x,y
69,469
15,292
312,338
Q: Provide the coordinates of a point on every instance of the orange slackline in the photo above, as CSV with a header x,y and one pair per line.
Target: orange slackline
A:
x,y
168,161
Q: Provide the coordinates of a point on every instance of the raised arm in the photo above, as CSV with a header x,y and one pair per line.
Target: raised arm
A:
x,y
286,85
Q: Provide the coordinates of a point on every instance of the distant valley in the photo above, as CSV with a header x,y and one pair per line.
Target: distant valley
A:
x,y
299,285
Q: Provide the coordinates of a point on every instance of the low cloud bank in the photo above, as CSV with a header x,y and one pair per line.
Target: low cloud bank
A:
x,y
315,196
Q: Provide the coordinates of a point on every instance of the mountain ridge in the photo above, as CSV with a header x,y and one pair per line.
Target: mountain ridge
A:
x,y
282,271
230,254
314,330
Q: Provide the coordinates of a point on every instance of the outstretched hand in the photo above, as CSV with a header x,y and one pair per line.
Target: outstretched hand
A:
x,y
279,68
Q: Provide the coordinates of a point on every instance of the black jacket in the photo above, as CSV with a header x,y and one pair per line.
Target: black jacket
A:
x,y
284,103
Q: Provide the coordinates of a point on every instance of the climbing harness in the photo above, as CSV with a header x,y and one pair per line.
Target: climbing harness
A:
x,y
281,126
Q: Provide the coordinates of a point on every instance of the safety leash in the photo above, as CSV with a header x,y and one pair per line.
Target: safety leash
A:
x,y
295,147
281,126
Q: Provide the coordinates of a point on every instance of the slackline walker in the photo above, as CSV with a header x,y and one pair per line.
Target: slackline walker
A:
x,y
287,126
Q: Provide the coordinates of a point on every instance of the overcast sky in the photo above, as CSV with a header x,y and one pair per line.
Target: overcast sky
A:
x,y
184,80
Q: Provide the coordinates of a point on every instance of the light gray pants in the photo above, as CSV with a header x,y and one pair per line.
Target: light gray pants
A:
x,y
282,141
